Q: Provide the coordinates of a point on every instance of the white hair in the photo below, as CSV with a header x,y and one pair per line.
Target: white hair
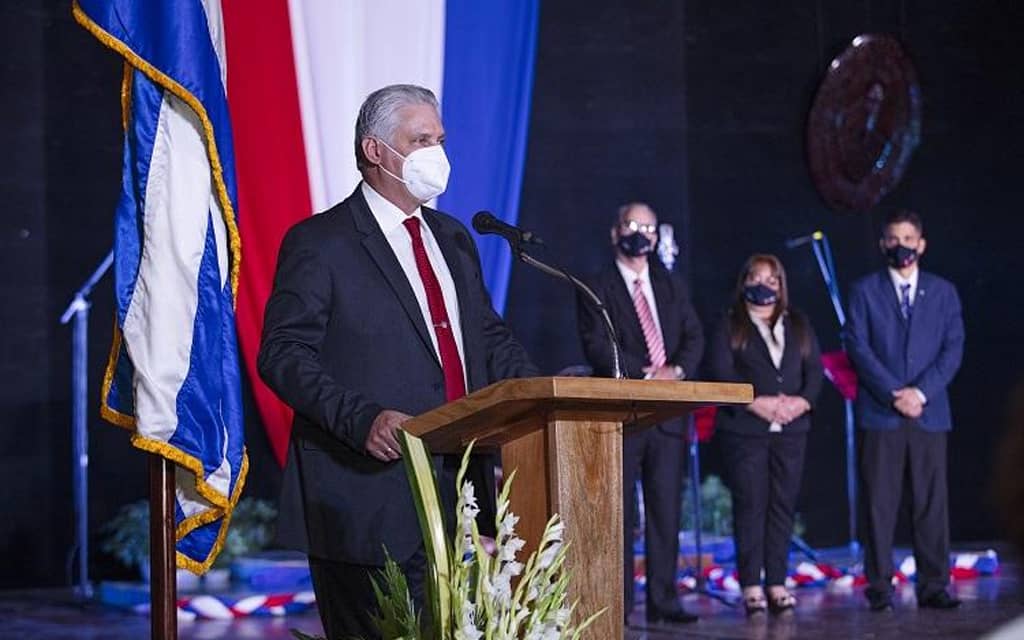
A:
x,y
378,115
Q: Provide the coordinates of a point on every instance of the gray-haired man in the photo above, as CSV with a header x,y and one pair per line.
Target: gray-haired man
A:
x,y
378,313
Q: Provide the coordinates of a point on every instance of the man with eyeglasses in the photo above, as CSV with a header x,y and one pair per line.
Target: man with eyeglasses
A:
x,y
661,338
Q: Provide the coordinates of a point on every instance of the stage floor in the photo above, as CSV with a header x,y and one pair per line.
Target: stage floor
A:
x,y
822,613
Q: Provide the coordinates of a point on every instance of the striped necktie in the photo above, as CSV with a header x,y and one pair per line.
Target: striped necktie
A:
x,y
655,345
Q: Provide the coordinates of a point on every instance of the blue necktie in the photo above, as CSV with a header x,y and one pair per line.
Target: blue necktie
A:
x,y
905,300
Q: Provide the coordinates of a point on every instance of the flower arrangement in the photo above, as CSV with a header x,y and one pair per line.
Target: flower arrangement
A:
x,y
485,604
474,594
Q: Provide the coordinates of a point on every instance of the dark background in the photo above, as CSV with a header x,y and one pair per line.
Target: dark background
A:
x,y
697,107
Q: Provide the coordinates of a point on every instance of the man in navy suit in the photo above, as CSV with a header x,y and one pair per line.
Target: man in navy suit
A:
x,y
378,313
661,338
905,336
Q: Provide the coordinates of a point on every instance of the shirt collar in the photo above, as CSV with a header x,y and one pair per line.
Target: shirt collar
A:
x,y
632,276
388,216
761,322
897,279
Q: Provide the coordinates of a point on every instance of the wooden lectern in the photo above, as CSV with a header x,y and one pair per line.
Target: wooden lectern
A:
x,y
564,435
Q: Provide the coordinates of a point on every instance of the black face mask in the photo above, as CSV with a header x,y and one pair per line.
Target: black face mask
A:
x,y
760,294
635,245
900,256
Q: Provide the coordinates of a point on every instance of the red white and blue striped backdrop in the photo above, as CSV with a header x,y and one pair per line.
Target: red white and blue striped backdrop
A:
x,y
298,71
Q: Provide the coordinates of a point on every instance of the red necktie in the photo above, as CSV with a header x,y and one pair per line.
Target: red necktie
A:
x,y
451,365
655,345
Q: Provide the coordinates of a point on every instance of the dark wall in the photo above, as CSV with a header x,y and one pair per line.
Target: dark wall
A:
x,y
60,170
696,107
701,111
61,173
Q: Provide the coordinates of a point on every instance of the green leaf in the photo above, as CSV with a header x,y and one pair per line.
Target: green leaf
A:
x,y
420,471
397,616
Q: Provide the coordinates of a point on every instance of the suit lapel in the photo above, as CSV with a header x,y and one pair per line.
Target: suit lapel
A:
x,y
792,347
624,300
888,292
918,310
762,346
662,298
377,247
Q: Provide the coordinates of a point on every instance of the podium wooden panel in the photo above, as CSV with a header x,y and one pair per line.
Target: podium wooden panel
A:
x,y
564,436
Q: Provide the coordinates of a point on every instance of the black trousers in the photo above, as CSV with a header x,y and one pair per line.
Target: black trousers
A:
x,y
764,473
344,595
656,459
888,460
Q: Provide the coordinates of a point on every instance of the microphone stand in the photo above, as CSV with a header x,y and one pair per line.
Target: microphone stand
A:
x,y
588,294
78,310
826,266
698,552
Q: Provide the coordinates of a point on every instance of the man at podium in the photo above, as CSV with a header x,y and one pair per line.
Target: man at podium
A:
x,y
378,313
661,338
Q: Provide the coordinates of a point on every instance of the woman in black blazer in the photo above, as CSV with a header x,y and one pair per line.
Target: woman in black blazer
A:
x,y
764,342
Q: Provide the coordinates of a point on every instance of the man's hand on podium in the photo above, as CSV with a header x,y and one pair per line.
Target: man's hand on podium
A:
x,y
382,441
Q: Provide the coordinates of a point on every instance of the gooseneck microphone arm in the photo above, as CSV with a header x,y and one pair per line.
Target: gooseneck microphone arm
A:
x,y
481,222
591,297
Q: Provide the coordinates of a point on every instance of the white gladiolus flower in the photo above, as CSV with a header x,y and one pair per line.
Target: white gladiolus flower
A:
x,y
512,568
502,589
508,524
562,617
511,548
556,531
467,627
547,556
469,504
551,632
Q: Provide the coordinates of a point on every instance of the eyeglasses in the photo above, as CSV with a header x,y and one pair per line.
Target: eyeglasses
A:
x,y
635,226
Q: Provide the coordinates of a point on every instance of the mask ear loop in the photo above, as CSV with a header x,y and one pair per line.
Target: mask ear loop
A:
x,y
392,150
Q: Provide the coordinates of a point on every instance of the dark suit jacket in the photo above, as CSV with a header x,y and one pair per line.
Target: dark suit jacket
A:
x,y
797,375
680,327
344,338
890,352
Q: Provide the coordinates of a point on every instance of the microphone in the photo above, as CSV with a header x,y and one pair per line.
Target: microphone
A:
x,y
793,243
667,247
485,223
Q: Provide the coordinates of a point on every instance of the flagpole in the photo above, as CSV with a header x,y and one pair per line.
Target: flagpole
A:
x,y
162,578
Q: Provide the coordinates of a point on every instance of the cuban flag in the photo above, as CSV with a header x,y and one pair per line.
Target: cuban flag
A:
x,y
173,375
298,71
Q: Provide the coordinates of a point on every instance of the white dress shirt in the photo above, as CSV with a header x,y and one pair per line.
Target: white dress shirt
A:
x,y
898,280
775,338
390,219
630,277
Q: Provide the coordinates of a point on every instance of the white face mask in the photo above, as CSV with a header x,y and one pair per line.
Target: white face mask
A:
x,y
424,172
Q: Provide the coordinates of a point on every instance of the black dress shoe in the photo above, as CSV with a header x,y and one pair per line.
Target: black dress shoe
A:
x,y
939,600
879,600
671,617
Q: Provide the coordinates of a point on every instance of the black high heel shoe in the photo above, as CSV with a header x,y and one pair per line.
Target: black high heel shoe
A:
x,y
755,604
782,604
